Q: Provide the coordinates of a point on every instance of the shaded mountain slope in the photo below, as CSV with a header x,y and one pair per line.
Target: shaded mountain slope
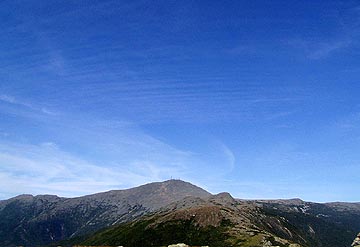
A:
x,y
328,224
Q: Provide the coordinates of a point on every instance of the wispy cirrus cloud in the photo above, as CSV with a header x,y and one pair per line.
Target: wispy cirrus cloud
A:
x,y
12,100
342,34
316,50
22,107
323,50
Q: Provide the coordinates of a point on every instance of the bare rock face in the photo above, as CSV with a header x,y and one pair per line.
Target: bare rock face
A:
x,y
356,242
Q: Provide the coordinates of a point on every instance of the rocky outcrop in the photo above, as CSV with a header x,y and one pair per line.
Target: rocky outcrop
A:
x,y
356,242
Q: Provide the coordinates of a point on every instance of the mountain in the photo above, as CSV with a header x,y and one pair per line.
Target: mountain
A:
x,y
175,211
39,220
221,220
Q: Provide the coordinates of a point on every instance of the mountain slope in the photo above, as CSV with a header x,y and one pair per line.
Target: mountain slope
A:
x,y
218,221
221,220
328,224
38,220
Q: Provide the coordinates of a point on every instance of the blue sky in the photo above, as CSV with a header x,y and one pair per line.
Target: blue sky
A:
x,y
257,98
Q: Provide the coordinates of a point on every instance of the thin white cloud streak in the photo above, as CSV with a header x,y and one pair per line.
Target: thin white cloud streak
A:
x,y
348,124
229,157
56,62
346,30
12,100
20,107
324,50
316,50
346,36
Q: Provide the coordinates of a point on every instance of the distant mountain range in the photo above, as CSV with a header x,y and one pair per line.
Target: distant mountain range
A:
x,y
158,214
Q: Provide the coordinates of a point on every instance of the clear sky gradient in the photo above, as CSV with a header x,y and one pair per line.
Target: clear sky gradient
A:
x,y
257,98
